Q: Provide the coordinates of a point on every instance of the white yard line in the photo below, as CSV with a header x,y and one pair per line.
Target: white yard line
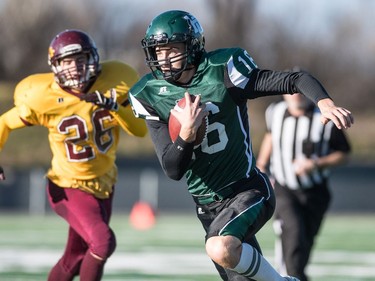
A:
x,y
325,263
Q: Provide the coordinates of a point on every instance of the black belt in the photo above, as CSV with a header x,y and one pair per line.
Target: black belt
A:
x,y
225,192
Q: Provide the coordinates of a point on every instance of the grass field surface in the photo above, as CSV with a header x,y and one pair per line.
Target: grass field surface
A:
x,y
173,249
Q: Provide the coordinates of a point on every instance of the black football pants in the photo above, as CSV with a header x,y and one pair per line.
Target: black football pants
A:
x,y
300,214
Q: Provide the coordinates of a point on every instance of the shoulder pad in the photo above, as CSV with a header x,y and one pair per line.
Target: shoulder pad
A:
x,y
33,90
221,56
141,84
117,75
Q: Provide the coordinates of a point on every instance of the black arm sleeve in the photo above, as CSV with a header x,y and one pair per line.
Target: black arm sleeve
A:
x,y
310,87
268,82
173,157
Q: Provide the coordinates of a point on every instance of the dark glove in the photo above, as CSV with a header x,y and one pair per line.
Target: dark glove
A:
x,y
100,100
2,175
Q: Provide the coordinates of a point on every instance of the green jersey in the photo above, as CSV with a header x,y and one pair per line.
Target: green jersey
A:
x,y
225,79
225,155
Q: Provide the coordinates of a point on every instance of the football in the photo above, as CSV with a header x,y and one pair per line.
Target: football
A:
x,y
174,126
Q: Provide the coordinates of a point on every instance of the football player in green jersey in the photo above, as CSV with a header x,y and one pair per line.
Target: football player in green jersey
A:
x,y
233,198
83,102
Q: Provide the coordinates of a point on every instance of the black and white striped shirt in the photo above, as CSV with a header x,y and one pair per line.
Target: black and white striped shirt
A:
x,y
297,138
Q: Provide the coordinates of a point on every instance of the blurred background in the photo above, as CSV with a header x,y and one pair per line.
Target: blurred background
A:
x,y
334,40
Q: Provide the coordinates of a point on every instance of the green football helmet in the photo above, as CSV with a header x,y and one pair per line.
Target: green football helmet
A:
x,y
173,27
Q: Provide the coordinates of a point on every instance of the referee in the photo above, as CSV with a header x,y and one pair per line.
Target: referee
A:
x,y
299,150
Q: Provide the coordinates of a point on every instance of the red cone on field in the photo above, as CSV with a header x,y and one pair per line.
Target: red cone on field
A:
x,y
142,216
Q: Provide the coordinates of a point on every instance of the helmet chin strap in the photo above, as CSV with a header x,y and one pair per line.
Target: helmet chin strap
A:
x,y
173,78
176,78
173,75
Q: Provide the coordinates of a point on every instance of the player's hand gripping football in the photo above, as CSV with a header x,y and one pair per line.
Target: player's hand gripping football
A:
x,y
2,175
190,117
102,101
